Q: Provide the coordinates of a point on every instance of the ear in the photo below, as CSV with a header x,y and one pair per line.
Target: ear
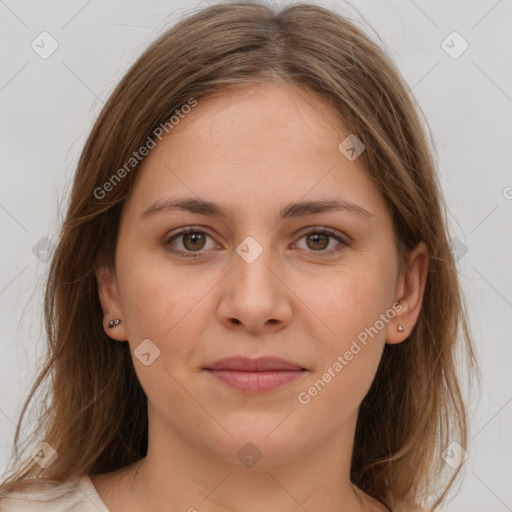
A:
x,y
409,294
109,299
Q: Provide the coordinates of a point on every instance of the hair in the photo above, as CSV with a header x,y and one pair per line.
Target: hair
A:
x,y
97,419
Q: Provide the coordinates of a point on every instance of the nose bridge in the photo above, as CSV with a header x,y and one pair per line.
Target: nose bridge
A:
x,y
254,258
254,295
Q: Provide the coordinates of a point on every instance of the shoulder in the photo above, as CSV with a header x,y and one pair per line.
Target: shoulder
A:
x,y
43,495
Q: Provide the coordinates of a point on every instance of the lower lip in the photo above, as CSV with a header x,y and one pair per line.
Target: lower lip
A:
x,y
256,381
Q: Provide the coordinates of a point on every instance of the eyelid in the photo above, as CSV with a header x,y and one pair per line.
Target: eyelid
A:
x,y
323,229
183,231
343,240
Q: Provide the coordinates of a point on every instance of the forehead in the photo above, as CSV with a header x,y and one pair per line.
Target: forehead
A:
x,y
256,144
259,113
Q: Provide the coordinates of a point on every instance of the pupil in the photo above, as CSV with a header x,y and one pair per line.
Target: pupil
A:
x,y
316,237
194,237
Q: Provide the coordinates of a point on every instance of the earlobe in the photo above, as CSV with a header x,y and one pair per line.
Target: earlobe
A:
x,y
109,300
410,289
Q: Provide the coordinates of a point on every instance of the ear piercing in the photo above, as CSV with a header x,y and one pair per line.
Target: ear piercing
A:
x,y
114,323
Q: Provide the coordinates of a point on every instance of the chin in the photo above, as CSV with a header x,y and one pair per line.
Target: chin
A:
x,y
251,446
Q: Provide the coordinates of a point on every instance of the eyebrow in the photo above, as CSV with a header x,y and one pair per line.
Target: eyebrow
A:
x,y
203,207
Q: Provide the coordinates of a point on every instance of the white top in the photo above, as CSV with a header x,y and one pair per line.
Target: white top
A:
x,y
72,495
43,495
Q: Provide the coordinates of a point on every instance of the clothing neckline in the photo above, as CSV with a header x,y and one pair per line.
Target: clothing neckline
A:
x,y
87,487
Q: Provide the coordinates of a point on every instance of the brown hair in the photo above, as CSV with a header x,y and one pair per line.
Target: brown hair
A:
x,y
97,417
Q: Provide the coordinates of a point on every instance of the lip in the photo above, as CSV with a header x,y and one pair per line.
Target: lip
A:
x,y
261,364
255,375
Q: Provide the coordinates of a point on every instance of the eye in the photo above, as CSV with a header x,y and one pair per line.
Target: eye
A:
x,y
193,240
319,239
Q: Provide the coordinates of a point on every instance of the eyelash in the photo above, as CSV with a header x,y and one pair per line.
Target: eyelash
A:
x,y
323,231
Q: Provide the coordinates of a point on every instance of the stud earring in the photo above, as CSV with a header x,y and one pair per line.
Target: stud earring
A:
x,y
400,328
114,323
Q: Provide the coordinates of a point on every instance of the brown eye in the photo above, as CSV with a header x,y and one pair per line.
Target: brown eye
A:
x,y
189,242
194,240
318,241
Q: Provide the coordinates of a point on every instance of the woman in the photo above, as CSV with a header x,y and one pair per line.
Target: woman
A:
x,y
253,304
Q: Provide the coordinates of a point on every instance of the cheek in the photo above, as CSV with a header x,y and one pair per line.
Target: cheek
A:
x,y
169,306
351,300
155,294
349,362
166,308
355,312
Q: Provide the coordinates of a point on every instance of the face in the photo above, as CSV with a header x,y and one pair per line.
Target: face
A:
x,y
269,278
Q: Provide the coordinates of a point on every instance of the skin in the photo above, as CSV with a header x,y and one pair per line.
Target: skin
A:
x,y
298,300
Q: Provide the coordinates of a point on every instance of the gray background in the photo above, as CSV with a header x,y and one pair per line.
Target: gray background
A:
x,y
48,107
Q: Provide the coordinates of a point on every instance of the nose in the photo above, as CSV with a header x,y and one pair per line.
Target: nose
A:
x,y
255,296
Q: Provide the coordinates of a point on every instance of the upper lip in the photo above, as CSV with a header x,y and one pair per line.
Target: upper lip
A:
x,y
261,364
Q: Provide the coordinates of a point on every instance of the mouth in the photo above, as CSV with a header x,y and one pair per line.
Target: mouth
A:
x,y
255,375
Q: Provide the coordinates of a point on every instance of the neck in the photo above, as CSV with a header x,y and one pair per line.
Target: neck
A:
x,y
178,475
